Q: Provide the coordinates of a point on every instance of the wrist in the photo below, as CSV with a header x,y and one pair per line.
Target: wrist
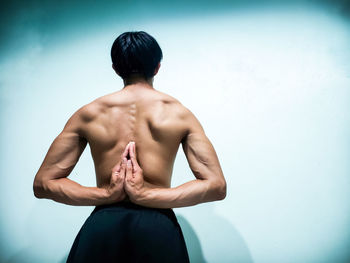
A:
x,y
142,195
106,195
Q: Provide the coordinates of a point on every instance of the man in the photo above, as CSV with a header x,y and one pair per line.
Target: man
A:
x,y
134,135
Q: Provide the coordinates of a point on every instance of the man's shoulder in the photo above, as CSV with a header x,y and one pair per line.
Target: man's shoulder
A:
x,y
98,105
182,113
89,111
175,106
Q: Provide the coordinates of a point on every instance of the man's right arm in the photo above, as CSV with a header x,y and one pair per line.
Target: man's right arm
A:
x,y
209,185
52,182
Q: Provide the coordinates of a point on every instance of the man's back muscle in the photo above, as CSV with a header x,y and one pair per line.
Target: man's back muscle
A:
x,y
154,120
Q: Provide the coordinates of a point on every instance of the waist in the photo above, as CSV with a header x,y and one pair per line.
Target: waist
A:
x,y
128,207
126,203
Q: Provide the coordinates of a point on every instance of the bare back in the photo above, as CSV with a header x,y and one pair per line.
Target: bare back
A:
x,y
151,118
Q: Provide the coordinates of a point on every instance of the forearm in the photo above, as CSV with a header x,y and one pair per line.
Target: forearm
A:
x,y
190,193
66,191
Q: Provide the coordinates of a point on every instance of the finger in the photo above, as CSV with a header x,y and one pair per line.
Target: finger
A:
x,y
129,169
116,172
133,148
126,151
118,178
116,168
123,168
133,156
122,173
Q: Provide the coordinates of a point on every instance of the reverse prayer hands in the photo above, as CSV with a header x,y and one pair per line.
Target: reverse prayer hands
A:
x,y
127,177
134,184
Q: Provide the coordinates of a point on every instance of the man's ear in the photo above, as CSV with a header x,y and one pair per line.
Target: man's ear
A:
x,y
156,70
116,71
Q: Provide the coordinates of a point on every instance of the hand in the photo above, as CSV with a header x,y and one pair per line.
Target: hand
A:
x,y
134,184
115,191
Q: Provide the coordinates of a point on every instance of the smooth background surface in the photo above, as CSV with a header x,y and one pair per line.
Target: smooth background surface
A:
x,y
269,82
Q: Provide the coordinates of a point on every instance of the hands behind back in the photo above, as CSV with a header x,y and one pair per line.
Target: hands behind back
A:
x,y
127,177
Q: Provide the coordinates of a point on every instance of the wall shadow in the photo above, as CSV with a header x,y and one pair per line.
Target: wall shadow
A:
x,y
24,255
218,240
64,259
192,241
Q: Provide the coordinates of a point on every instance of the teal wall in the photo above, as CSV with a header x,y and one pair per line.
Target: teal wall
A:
x,y
268,80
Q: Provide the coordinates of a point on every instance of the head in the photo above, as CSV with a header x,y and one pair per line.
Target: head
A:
x,y
136,53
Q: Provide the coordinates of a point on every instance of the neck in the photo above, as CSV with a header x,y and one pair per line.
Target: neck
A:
x,y
138,80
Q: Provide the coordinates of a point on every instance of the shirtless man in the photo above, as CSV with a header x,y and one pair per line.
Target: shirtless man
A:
x,y
134,135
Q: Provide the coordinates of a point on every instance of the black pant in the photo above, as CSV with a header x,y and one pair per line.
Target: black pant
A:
x,y
126,232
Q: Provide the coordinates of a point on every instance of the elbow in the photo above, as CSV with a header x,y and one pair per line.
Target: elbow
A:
x,y
38,189
220,190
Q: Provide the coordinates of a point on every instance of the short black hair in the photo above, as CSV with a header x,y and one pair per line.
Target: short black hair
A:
x,y
136,52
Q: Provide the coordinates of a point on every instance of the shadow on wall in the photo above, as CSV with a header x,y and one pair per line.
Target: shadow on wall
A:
x,y
192,241
25,255
219,238
64,259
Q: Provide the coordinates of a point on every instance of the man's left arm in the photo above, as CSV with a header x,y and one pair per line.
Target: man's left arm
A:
x,y
51,180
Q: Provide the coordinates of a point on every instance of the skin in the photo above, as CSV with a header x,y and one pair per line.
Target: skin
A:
x,y
134,135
